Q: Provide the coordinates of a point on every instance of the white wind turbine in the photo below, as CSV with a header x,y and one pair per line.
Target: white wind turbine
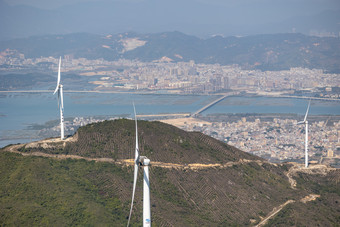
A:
x,y
59,89
306,136
144,162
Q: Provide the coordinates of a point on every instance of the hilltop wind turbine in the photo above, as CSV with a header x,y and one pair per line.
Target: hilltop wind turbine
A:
x,y
306,137
144,162
59,89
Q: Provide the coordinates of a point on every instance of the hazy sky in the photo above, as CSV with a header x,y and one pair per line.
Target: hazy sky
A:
x,y
307,5
197,17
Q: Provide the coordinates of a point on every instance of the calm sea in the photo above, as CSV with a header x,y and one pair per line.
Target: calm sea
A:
x,y
20,110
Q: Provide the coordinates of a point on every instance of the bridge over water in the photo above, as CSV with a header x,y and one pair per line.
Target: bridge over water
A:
x,y
213,103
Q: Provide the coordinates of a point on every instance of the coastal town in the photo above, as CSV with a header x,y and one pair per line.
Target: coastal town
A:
x,y
180,77
277,139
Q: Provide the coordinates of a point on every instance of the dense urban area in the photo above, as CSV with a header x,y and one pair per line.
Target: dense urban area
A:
x,y
277,140
181,77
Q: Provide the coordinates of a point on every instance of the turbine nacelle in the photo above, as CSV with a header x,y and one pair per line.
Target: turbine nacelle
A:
x,y
305,119
144,161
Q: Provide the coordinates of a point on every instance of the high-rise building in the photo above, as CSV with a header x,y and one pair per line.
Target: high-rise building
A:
x,y
330,153
226,83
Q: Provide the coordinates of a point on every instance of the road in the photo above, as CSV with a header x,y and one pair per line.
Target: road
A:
x,y
124,162
274,212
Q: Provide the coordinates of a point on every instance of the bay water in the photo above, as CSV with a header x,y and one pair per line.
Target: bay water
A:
x,y
18,111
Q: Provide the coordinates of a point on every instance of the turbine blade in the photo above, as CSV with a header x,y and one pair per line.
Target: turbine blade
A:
x,y
137,149
133,191
56,89
58,81
307,111
300,122
136,166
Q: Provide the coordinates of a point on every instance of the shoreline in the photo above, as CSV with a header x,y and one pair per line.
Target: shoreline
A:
x,y
250,94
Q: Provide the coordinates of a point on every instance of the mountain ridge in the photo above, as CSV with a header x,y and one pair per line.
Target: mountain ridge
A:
x,y
263,52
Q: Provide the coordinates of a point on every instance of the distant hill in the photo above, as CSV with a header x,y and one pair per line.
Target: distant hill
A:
x,y
210,184
264,52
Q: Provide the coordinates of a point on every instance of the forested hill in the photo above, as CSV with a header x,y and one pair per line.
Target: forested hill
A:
x,y
158,141
195,180
264,52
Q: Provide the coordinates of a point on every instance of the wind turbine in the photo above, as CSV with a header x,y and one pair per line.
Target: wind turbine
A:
x,y
59,89
306,137
143,162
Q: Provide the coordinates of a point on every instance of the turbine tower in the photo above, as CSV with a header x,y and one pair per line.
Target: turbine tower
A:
x,y
59,89
306,136
143,162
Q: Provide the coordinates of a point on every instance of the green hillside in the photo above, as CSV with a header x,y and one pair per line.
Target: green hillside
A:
x,y
38,191
240,190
